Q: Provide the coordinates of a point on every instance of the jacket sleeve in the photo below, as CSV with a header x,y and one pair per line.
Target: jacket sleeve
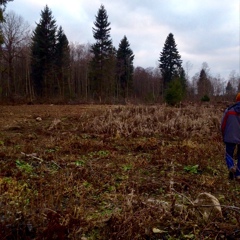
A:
x,y
224,121
225,118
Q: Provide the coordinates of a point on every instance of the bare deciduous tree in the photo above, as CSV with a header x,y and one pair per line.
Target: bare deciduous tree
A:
x,y
79,83
147,84
16,38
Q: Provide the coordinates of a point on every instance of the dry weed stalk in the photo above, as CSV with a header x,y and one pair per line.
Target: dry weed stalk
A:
x,y
112,174
155,120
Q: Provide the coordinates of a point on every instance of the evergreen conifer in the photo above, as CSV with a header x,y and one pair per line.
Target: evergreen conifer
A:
x,y
43,50
125,67
62,62
170,61
2,9
102,67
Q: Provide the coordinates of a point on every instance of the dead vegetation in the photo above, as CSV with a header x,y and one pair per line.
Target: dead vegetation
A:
x,y
115,172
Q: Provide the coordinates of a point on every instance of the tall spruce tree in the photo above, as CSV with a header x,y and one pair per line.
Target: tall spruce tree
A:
x,y
62,62
204,84
43,50
183,81
2,9
102,78
229,89
170,61
125,67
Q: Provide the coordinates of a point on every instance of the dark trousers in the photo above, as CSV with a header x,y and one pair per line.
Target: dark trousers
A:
x,y
230,147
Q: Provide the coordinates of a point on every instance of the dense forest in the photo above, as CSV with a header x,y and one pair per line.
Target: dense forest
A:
x,y
43,66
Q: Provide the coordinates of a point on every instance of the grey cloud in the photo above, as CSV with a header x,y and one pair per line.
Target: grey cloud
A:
x,y
204,30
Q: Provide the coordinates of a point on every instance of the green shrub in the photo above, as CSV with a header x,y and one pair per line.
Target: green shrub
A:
x,y
174,92
205,98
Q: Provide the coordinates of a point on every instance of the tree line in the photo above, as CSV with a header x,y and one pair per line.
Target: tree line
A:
x,y
42,66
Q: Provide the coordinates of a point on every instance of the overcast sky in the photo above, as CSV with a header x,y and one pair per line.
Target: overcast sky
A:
x,y
204,30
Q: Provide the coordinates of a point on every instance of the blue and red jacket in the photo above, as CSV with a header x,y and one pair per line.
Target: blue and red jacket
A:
x,y
230,125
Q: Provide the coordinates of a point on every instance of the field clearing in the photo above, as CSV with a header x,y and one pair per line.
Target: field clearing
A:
x,y
114,172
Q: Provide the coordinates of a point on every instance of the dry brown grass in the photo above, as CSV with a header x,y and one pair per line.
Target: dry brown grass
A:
x,y
108,172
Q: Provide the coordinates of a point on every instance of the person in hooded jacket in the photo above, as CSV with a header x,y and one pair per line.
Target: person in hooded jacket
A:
x,y
230,127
